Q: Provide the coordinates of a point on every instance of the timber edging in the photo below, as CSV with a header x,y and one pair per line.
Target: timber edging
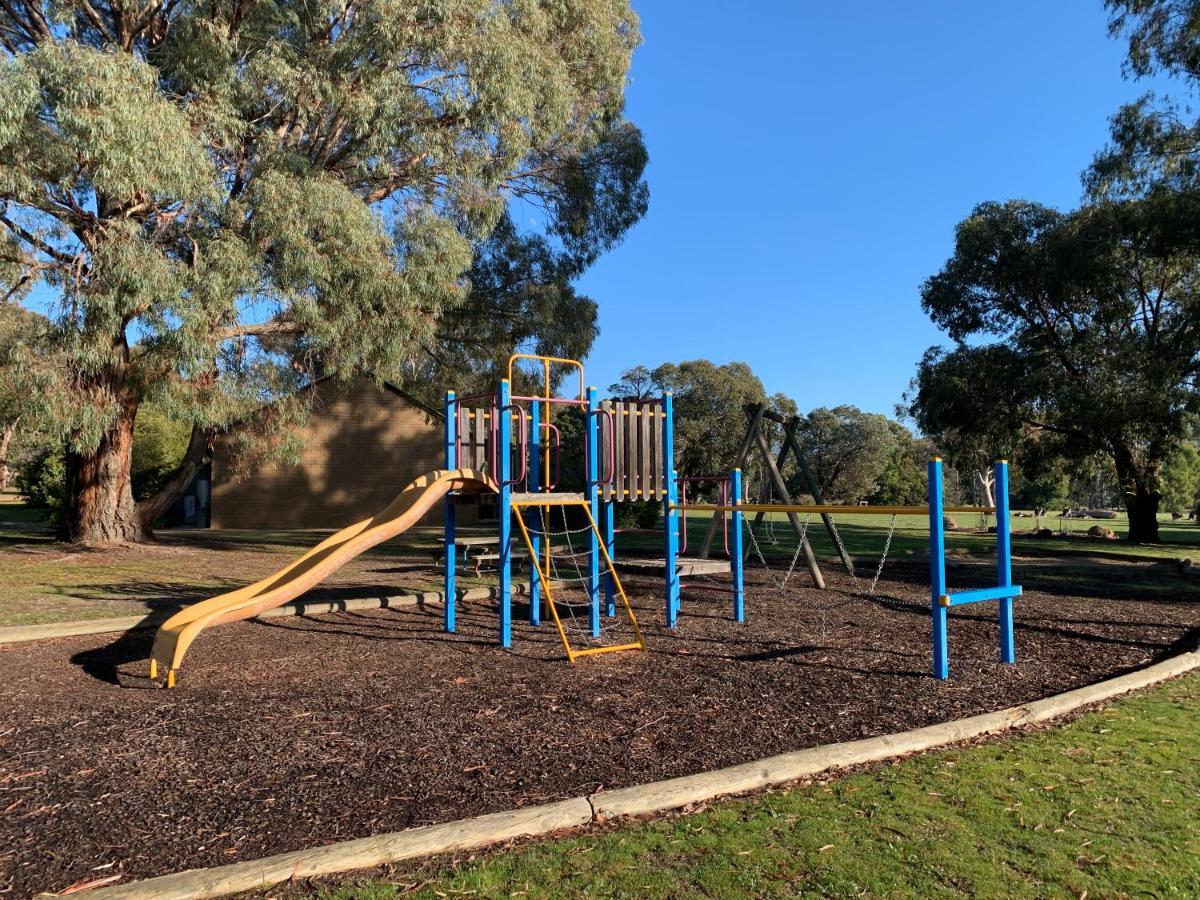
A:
x,y
13,634
658,797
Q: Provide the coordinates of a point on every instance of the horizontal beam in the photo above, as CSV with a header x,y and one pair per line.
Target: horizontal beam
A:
x,y
961,598
829,509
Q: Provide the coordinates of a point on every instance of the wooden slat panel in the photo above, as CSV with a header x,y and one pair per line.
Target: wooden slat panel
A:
x,y
602,423
621,482
657,443
631,452
644,423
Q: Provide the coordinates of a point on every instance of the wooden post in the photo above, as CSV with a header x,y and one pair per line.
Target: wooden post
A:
x,y
781,489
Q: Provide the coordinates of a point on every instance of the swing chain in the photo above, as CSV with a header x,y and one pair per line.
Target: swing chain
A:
x,y
883,558
803,538
855,580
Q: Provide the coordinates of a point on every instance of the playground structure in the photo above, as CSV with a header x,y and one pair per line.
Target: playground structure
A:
x,y
508,445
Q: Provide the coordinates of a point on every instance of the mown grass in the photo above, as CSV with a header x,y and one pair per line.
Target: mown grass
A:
x,y
865,534
47,582
1104,807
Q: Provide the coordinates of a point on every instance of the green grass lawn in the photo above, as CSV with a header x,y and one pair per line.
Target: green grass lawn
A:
x,y
865,534
46,581
1108,806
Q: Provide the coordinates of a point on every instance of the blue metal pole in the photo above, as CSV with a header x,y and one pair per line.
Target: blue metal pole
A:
x,y
535,485
937,572
735,549
504,464
1008,644
593,499
670,516
450,522
610,591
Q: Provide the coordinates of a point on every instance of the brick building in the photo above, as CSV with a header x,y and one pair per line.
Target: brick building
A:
x,y
363,445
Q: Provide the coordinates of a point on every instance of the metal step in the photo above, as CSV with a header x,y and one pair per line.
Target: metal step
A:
x,y
538,498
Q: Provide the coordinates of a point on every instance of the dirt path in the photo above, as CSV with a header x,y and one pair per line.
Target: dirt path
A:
x,y
294,732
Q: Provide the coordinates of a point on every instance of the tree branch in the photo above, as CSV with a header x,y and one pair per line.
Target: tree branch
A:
x,y
262,329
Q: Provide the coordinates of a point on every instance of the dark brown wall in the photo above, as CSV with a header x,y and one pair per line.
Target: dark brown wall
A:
x,y
362,447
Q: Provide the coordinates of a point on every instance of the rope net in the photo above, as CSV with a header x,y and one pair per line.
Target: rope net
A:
x,y
562,563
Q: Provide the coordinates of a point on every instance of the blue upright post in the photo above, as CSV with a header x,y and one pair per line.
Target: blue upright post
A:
x,y
735,548
1008,646
937,571
535,485
670,516
610,591
503,415
451,524
593,498
535,513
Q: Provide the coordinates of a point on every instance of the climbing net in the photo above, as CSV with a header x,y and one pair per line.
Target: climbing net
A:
x,y
564,563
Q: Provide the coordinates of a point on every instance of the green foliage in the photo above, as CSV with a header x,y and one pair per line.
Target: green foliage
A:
x,y
635,384
42,478
902,479
639,514
709,401
1181,479
1036,489
847,450
159,444
1154,139
1091,317
232,201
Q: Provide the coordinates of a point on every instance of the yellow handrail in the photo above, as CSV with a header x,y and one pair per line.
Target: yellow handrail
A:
x,y
548,360
831,509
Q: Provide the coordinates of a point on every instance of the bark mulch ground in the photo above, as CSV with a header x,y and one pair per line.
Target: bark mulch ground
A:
x,y
290,733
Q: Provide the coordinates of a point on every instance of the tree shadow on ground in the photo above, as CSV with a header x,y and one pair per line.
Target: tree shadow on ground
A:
x,y
105,663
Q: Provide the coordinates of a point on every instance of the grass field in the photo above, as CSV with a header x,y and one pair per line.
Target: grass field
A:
x,y
865,534
1104,807
46,581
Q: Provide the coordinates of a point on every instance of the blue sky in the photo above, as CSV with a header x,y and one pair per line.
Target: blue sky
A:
x,y
808,164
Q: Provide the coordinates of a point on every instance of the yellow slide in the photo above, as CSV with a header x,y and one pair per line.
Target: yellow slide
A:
x,y
177,633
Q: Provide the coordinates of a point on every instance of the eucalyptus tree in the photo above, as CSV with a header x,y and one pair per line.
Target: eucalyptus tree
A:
x,y
1075,334
222,194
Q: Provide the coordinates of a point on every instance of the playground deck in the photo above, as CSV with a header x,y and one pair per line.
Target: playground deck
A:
x,y
296,732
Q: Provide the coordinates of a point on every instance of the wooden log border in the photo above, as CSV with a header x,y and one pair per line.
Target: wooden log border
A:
x,y
15,634
659,797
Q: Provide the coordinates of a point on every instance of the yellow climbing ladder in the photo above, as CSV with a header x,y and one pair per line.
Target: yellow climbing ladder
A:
x,y
541,567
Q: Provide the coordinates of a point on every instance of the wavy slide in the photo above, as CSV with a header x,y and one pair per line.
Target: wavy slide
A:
x,y
177,633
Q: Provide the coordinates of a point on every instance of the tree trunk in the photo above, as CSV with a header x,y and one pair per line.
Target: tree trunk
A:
x,y
6,433
99,507
1141,500
1142,506
987,480
152,507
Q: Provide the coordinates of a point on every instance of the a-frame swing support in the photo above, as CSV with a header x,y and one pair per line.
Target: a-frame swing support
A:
x,y
756,413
